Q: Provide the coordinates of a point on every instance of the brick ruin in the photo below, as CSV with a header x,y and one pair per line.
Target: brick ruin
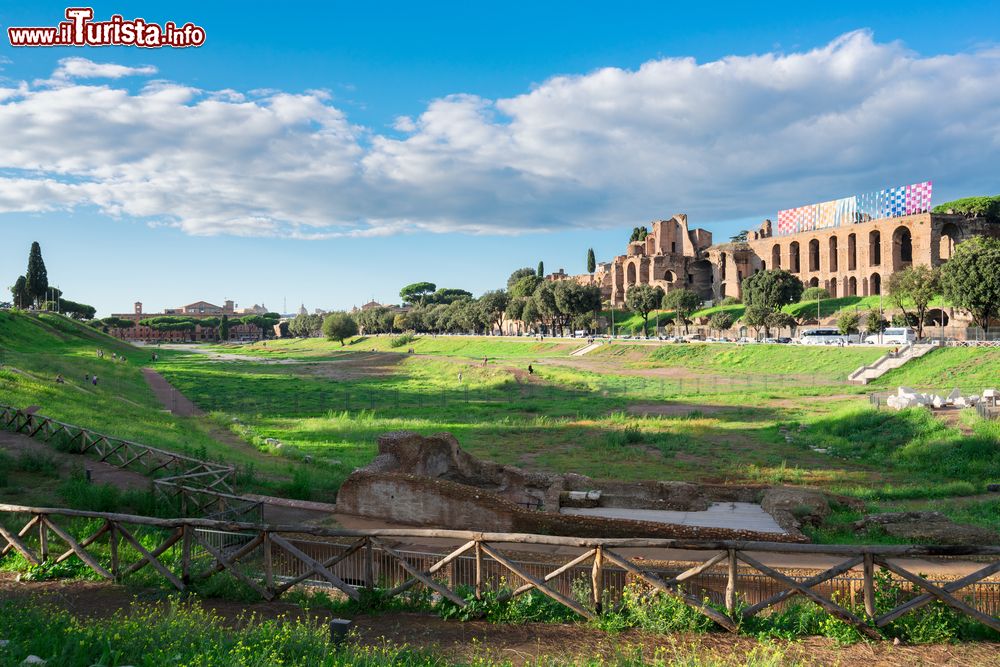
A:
x,y
431,481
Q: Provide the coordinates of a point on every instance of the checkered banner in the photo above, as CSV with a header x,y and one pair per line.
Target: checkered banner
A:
x,y
890,203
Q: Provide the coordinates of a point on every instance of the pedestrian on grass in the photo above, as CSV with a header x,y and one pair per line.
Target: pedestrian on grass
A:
x,y
531,371
94,381
485,361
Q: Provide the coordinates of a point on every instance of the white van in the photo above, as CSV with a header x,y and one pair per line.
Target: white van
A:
x,y
893,336
826,336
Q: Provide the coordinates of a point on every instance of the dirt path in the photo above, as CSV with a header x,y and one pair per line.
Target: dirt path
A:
x,y
520,644
172,400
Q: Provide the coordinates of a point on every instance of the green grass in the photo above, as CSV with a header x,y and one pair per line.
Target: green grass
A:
x,y
740,360
34,349
970,369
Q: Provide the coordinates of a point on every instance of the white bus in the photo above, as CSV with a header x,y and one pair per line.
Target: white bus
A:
x,y
893,336
826,336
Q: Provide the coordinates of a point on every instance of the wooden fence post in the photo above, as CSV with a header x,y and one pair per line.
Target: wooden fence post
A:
x,y
479,570
597,579
869,584
186,555
113,548
731,583
43,538
268,563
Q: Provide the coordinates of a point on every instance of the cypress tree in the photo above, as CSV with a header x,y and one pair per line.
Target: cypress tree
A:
x,y
541,269
37,277
591,261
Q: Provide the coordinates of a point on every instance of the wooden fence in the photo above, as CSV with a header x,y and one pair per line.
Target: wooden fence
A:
x,y
174,470
271,559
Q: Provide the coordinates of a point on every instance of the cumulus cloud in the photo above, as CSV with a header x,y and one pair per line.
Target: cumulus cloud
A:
x,y
732,138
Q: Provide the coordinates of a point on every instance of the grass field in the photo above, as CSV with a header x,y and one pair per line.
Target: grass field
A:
x,y
718,413
35,349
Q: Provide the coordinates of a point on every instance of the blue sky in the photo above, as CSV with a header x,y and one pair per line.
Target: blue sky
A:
x,y
334,154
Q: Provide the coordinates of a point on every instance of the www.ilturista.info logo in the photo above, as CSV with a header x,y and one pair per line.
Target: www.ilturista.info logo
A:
x,y
81,30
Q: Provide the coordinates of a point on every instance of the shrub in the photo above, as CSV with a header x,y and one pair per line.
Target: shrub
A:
x,y
814,293
400,341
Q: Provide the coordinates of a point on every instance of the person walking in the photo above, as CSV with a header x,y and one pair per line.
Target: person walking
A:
x,y
94,381
531,371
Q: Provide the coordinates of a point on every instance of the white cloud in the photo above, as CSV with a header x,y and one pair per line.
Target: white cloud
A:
x,y
82,68
732,138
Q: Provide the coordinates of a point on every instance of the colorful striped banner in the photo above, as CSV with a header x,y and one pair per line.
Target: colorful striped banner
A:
x,y
889,203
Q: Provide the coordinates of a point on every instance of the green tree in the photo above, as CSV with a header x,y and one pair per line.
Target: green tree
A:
x,y
37,277
516,276
917,285
638,234
755,317
643,299
683,302
874,322
493,304
545,303
224,328
339,326
529,314
721,321
19,293
814,294
772,289
416,292
591,261
848,322
741,237
574,300
779,320
78,311
971,279
541,270
447,295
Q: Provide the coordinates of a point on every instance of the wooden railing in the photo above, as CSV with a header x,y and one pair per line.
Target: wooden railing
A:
x,y
180,470
271,559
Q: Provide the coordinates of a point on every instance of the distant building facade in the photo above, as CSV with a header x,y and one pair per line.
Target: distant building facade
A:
x,y
196,310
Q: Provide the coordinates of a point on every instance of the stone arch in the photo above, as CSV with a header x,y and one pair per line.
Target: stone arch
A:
x,y
776,256
794,264
833,288
902,248
875,284
936,317
700,278
949,237
832,260
669,276
852,286
814,282
875,248
864,287
852,251
630,274
814,255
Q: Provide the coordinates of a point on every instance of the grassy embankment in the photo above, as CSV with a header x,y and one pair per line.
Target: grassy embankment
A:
x,y
35,349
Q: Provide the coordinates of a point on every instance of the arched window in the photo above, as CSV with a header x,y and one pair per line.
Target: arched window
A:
x,y
949,237
832,261
670,276
814,255
902,248
833,288
814,282
875,248
852,286
776,256
852,251
630,274
793,257
876,284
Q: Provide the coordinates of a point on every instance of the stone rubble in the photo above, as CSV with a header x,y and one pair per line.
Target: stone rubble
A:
x,y
907,397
